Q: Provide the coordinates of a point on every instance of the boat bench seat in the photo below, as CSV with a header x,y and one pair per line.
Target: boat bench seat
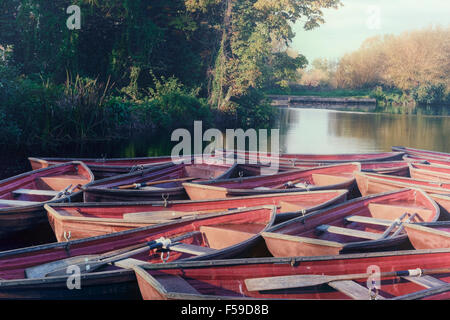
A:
x,y
34,192
353,290
427,281
368,220
348,232
17,203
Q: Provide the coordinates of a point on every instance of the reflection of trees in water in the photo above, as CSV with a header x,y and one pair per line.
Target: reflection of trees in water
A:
x,y
389,130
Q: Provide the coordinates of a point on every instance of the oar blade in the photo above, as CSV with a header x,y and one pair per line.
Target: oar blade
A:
x,y
43,270
286,282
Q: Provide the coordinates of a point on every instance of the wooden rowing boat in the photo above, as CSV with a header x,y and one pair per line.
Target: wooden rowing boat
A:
x,y
81,220
321,178
236,279
170,175
429,172
421,152
430,160
22,197
319,158
365,224
429,235
213,236
397,168
104,167
372,183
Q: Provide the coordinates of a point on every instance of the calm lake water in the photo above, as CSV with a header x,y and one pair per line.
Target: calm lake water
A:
x,y
302,130
328,131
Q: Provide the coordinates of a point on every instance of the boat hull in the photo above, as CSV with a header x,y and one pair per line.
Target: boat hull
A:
x,y
226,279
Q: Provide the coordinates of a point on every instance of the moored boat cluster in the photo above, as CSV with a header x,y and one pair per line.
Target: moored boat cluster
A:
x,y
154,229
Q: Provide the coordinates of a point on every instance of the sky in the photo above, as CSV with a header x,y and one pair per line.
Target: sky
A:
x,y
347,27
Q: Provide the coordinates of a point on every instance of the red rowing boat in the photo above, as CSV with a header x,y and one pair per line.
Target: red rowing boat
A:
x,y
429,172
397,168
81,220
429,235
156,183
284,278
421,152
372,183
430,160
371,223
22,197
321,178
213,236
318,158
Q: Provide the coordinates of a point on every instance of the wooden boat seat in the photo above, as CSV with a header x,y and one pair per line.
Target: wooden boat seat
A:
x,y
34,192
191,249
348,232
327,179
220,237
17,203
392,212
155,215
427,281
368,220
353,289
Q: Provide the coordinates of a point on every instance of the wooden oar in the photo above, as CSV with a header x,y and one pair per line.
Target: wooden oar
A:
x,y
300,281
88,263
148,184
150,216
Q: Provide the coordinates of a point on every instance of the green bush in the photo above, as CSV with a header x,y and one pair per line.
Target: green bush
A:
x,y
431,94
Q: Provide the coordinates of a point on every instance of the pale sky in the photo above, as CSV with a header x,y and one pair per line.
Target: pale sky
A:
x,y
346,28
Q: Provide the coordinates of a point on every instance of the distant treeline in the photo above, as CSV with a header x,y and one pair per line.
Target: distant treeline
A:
x,y
410,67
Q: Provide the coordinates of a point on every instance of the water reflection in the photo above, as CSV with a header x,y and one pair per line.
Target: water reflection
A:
x,y
327,131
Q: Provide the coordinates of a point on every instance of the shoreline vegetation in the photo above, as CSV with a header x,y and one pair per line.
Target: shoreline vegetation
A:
x,y
140,68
